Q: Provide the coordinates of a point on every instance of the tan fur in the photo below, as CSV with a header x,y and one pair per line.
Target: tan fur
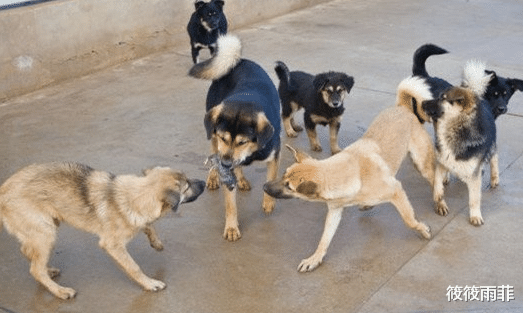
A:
x,y
413,91
362,174
36,199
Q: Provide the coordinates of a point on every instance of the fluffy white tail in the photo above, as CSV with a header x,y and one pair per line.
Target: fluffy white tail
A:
x,y
412,87
475,77
229,52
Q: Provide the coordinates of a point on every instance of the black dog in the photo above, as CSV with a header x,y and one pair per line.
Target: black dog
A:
x,y
242,122
322,98
206,24
499,91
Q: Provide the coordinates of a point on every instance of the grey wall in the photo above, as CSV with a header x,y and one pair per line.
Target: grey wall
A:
x,y
53,41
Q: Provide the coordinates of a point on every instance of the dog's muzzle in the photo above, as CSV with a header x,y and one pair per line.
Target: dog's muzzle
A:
x,y
275,189
432,108
195,190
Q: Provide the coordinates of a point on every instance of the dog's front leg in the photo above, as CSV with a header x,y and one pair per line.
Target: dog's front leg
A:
x,y
232,231
494,170
213,179
272,173
310,126
474,187
331,224
334,129
439,189
154,240
119,253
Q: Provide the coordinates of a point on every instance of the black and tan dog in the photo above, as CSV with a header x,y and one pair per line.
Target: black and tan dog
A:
x,y
322,98
465,137
499,91
242,122
35,200
205,25
364,173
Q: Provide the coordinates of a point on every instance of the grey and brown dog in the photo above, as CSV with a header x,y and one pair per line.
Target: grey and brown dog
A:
x,y
363,174
35,200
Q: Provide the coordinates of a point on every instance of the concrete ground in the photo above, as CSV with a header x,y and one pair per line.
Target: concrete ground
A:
x,y
148,112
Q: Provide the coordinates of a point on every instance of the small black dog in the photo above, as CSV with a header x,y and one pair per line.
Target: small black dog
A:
x,y
322,98
206,24
499,91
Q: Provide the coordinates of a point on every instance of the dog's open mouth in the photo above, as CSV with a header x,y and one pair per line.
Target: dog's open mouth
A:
x,y
225,171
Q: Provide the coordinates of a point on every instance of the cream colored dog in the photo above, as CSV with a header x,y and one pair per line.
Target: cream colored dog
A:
x,y
364,173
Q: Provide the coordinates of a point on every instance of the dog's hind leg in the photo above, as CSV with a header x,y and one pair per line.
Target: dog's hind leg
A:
x,y
243,183
288,111
422,153
401,202
474,187
232,230
154,240
116,249
332,221
494,171
37,248
272,173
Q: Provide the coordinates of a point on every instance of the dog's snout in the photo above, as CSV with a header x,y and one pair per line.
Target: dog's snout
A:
x,y
501,110
226,162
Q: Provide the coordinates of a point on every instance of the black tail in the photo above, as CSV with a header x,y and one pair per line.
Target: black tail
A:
x,y
284,75
421,55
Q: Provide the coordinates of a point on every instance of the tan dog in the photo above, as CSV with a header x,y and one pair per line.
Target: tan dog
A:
x,y
36,199
364,173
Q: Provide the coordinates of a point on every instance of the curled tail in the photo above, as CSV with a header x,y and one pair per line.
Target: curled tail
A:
x,y
421,55
226,58
283,73
412,91
475,77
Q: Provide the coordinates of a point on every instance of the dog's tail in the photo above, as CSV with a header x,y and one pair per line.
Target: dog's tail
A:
x,y
412,91
283,73
475,77
226,58
421,55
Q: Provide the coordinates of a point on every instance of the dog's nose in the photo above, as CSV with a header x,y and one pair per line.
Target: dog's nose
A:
x,y
227,163
501,110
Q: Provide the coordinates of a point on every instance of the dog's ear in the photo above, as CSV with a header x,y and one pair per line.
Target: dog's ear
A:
x,y
211,118
198,4
320,81
264,130
308,188
348,82
515,84
170,200
299,156
493,77
219,3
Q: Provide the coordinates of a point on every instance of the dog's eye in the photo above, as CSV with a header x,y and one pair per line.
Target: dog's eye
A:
x,y
242,142
504,93
496,94
287,185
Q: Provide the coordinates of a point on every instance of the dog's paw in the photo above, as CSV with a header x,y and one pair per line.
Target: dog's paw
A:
x,y
308,265
494,182
154,285
316,148
424,230
335,150
213,180
157,245
243,184
65,293
442,208
291,133
53,272
268,204
232,234
476,220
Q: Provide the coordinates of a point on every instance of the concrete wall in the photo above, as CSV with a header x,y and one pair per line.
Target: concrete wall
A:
x,y
53,41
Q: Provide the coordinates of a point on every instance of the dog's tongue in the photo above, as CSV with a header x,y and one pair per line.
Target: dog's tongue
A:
x,y
226,174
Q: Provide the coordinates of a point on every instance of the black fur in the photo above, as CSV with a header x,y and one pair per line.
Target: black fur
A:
x,y
245,91
205,35
499,91
476,138
305,90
